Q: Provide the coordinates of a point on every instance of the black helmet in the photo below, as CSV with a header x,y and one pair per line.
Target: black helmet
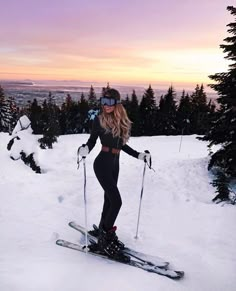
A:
x,y
112,93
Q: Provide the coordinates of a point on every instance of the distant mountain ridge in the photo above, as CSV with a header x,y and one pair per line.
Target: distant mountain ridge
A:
x,y
27,90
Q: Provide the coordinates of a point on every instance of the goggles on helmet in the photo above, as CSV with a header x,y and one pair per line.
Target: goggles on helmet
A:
x,y
109,101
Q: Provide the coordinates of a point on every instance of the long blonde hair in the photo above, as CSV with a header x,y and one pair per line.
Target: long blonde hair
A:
x,y
117,122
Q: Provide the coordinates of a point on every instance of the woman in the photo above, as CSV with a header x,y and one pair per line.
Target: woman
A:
x,y
112,126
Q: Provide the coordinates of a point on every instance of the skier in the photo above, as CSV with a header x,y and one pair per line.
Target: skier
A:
x,y
23,144
112,126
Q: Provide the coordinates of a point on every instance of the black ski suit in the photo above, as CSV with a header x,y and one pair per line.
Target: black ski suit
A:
x,y
106,168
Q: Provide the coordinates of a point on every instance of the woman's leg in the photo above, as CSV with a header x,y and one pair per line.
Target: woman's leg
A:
x,y
106,168
106,204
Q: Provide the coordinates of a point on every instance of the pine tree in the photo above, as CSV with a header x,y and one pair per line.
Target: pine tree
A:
x,y
14,113
183,114
126,103
6,117
83,114
223,130
8,113
134,114
147,112
51,128
2,109
92,99
69,116
167,113
199,118
35,117
199,98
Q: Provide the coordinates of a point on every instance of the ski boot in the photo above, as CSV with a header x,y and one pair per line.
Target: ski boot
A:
x,y
108,244
96,231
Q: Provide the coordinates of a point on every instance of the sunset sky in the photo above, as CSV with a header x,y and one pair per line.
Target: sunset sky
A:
x,y
122,41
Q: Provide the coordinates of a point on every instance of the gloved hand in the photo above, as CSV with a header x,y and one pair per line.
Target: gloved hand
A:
x,y
82,151
146,157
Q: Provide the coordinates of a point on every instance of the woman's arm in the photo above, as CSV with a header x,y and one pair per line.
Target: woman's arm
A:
x,y
94,134
127,149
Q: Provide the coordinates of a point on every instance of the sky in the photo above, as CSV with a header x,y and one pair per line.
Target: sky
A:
x,y
125,42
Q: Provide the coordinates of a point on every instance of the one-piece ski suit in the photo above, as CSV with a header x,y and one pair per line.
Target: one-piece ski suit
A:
x,y
106,168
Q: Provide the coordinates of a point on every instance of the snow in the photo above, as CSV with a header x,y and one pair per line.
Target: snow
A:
x,y
24,140
178,220
22,123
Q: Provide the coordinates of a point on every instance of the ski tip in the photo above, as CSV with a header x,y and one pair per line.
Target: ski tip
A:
x,y
180,275
71,223
59,242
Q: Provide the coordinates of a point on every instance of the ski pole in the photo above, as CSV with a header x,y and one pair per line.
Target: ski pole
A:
x,y
180,144
141,196
182,133
85,207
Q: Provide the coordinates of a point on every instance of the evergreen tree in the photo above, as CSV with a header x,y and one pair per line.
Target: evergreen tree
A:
x,y
132,109
92,99
134,114
35,117
14,111
8,113
127,104
147,112
83,114
6,117
62,118
199,118
51,128
199,98
223,130
2,95
2,109
183,114
70,116
167,113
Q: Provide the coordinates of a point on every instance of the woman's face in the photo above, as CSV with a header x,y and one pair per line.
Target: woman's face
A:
x,y
108,109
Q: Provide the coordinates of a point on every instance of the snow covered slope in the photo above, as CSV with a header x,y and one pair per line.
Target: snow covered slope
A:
x,y
178,220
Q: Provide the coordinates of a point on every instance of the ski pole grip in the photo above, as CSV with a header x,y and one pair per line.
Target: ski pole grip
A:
x,y
83,145
147,152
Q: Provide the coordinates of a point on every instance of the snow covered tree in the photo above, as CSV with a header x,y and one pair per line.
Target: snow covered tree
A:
x,y
23,144
223,130
8,113
2,109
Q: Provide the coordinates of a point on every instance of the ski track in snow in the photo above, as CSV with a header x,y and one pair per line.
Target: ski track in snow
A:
x,y
178,220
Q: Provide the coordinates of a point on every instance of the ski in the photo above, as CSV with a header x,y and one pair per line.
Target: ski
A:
x,y
146,267
148,259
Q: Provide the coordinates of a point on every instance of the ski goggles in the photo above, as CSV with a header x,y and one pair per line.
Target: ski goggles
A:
x,y
109,101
